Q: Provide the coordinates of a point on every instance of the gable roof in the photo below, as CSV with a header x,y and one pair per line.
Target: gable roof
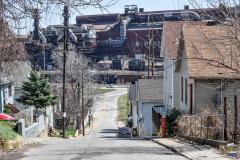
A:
x,y
172,34
150,90
212,52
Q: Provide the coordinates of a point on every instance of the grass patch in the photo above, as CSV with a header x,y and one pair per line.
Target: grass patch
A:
x,y
71,132
7,132
123,108
103,91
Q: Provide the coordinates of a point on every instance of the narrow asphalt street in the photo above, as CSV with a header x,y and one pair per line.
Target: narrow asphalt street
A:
x,y
101,143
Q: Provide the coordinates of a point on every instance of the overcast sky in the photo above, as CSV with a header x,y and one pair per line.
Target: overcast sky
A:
x,y
54,17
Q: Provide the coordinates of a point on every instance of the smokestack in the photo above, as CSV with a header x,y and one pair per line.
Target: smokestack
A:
x,y
36,24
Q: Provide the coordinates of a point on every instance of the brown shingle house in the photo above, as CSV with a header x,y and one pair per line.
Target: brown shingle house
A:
x,y
169,49
208,66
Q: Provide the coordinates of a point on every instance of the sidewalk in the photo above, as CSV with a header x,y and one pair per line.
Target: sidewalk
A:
x,y
190,151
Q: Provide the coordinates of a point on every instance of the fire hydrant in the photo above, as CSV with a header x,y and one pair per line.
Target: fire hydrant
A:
x,y
164,127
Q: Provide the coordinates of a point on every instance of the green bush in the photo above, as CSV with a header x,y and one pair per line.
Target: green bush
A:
x,y
171,118
71,132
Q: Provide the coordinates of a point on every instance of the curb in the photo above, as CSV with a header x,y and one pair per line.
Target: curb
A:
x,y
171,149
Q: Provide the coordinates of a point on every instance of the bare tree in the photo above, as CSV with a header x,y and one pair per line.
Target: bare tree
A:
x,y
77,73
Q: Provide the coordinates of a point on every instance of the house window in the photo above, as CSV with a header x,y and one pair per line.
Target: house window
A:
x,y
186,90
10,91
182,89
4,97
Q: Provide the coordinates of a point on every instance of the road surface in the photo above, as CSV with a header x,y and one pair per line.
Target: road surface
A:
x,y
101,142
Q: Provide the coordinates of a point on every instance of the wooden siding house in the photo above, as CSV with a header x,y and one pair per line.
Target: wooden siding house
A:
x,y
208,67
149,97
6,94
169,50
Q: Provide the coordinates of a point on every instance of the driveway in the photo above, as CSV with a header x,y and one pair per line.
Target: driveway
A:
x,y
101,143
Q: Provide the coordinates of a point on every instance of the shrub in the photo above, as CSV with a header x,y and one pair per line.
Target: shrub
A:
x,y
171,118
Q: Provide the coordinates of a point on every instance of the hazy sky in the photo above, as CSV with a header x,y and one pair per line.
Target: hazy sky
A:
x,y
147,4
54,16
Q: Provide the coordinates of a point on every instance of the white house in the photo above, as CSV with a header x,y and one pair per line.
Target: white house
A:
x,y
169,48
149,96
6,94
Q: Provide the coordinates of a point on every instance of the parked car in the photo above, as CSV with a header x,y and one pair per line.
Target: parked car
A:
x,y
124,132
6,117
109,86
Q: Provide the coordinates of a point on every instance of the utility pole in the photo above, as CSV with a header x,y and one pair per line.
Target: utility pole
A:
x,y
83,114
153,62
78,107
149,48
66,30
152,49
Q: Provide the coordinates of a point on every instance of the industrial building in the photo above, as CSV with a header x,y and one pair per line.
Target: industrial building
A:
x,y
132,38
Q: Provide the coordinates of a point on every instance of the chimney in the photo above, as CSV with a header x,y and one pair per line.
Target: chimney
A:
x,y
186,7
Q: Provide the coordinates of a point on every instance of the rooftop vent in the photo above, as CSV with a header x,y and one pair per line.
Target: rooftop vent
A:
x,y
141,10
131,9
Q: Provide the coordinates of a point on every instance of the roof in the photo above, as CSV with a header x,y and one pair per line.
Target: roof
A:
x,y
172,33
97,19
5,84
212,52
150,90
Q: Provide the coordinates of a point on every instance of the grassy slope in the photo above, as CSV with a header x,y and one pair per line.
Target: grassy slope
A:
x,y
103,91
123,108
7,132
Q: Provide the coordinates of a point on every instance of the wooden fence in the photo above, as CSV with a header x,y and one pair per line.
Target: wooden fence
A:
x,y
201,126
27,115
